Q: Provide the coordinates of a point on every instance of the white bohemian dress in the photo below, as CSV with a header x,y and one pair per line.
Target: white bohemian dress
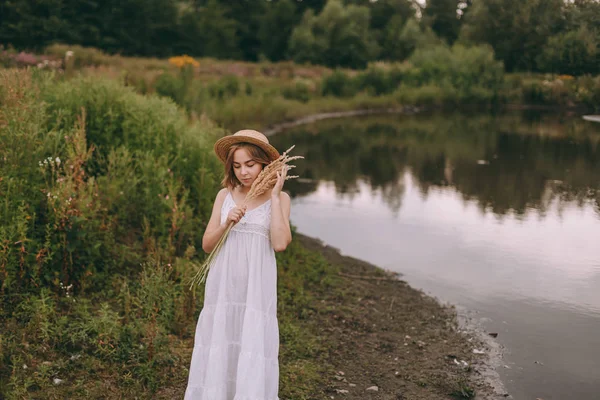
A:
x,y
236,345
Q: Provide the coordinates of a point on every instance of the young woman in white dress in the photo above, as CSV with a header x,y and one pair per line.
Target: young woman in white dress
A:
x,y
236,346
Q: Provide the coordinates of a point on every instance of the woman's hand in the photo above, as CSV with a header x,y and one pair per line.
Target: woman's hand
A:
x,y
235,215
281,175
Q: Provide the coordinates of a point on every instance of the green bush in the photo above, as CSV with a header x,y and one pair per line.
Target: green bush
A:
x,y
105,179
375,81
82,56
298,91
588,91
338,84
170,86
471,71
429,95
228,86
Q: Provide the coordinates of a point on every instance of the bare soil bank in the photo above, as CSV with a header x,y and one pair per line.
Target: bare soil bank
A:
x,y
386,340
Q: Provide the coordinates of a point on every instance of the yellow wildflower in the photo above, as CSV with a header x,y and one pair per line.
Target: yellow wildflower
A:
x,y
182,61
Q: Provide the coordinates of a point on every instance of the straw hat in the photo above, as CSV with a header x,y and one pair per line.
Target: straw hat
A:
x,y
223,145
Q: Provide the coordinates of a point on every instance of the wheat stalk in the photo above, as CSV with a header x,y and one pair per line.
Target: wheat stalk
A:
x,y
264,182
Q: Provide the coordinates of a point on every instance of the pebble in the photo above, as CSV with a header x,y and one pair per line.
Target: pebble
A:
x,y
373,388
341,391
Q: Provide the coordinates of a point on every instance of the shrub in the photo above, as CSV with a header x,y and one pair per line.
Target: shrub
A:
x,y
225,87
96,191
468,70
82,56
299,92
170,86
375,81
338,84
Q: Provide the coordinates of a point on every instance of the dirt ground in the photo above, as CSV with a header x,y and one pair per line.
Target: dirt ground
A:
x,y
387,341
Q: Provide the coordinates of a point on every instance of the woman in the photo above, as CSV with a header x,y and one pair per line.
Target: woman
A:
x,y
236,346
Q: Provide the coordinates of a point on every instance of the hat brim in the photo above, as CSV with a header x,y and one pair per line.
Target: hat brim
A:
x,y
223,145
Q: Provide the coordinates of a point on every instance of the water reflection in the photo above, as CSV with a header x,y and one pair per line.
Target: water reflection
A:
x,y
507,163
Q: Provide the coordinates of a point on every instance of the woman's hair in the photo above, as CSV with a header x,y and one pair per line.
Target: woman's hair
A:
x,y
256,154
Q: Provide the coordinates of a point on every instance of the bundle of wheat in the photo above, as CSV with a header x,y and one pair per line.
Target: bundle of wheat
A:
x,y
264,182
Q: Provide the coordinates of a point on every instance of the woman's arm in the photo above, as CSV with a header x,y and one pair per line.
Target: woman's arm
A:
x,y
215,229
281,234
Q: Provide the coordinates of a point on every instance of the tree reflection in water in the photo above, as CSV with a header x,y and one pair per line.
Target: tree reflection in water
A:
x,y
506,163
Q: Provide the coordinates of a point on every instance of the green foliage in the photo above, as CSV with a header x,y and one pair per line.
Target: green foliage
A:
x,y
170,86
338,36
530,35
402,40
574,52
82,56
517,30
338,84
473,72
209,31
298,91
111,179
377,81
276,28
443,19
435,76
227,86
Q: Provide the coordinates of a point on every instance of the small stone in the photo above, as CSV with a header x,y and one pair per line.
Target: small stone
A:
x,y
373,389
352,384
341,373
339,378
57,381
341,391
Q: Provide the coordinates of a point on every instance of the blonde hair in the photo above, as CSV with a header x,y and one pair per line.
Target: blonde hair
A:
x,y
257,154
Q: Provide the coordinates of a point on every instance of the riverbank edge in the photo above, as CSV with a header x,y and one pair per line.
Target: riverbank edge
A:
x,y
484,381
275,128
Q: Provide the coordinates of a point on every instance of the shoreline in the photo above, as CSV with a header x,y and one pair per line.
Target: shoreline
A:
x,y
276,128
436,350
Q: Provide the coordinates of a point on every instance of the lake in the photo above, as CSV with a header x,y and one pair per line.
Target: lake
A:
x,y
497,213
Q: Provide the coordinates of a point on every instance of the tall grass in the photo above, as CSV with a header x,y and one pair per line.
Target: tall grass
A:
x,y
96,180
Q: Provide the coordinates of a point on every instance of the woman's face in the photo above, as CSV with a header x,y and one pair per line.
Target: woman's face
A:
x,y
245,168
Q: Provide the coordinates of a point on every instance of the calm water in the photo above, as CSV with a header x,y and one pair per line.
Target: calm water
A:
x,y
497,213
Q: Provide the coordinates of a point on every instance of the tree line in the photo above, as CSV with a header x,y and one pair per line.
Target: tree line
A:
x,y
558,36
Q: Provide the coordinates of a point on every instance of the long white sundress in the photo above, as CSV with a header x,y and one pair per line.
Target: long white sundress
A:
x,y
236,345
